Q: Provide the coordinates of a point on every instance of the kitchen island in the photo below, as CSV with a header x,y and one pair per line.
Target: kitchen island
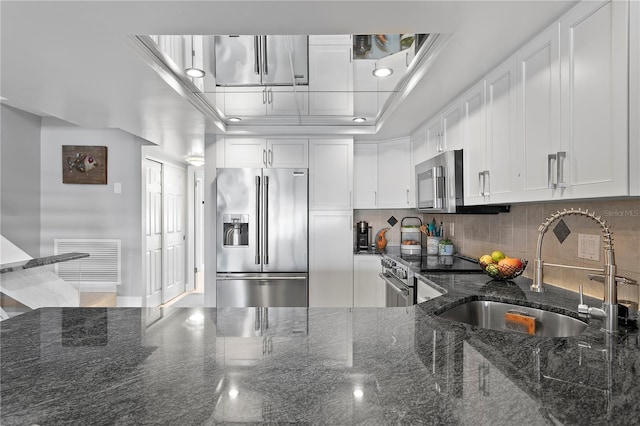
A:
x,y
315,366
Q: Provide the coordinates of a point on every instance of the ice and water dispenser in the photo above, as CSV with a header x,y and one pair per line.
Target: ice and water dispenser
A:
x,y
236,229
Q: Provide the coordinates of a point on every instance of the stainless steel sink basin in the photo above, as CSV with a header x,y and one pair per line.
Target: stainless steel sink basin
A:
x,y
489,314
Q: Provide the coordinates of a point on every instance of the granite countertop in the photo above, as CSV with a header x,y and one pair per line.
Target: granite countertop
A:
x,y
40,261
314,366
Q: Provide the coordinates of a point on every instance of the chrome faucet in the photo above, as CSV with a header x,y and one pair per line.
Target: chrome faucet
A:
x,y
609,311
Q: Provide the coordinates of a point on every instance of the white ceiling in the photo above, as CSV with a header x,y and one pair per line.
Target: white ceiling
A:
x,y
72,59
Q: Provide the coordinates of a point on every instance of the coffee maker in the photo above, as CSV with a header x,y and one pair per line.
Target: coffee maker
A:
x,y
363,236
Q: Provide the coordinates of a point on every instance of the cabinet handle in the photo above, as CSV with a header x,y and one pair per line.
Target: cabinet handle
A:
x,y
560,173
264,96
487,182
270,158
481,184
550,183
406,59
269,96
407,196
264,157
375,198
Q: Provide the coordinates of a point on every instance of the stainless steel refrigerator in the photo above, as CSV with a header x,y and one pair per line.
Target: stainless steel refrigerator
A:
x,y
262,237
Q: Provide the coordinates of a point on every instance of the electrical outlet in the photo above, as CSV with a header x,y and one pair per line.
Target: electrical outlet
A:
x,y
589,247
451,230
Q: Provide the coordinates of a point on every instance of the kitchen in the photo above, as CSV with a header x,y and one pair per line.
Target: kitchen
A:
x,y
472,234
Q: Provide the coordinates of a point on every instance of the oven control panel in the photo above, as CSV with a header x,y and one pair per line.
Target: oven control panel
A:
x,y
400,271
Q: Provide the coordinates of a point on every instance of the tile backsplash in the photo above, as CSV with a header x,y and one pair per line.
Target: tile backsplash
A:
x,y
516,234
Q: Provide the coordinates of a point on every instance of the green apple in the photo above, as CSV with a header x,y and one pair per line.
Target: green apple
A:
x,y
497,256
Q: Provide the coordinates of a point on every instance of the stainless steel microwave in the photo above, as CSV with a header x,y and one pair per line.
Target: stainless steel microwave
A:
x,y
440,186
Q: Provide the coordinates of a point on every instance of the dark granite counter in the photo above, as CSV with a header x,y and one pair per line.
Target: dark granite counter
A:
x,y
40,261
316,366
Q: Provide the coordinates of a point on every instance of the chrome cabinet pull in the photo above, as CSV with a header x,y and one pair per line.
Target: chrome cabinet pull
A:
x,y
407,196
375,197
481,184
270,158
269,97
264,96
264,157
487,182
550,183
562,156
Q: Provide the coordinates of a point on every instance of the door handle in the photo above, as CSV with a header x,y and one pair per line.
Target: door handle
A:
x,y
256,47
265,68
562,156
257,220
550,183
265,251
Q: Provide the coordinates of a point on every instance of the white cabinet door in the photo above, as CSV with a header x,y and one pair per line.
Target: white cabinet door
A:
x,y
288,153
368,287
365,89
284,101
397,62
419,144
501,126
475,147
538,115
452,127
330,174
365,176
330,259
594,97
330,80
433,135
395,174
345,39
245,152
246,101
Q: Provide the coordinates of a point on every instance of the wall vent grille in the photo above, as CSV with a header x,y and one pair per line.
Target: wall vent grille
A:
x,y
103,266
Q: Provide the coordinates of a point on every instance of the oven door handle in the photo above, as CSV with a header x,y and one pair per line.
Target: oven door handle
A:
x,y
402,291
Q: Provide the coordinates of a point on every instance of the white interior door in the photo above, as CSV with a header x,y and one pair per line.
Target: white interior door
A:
x,y
174,187
199,227
153,250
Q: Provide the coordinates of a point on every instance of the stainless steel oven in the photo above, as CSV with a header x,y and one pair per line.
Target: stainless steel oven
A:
x,y
399,281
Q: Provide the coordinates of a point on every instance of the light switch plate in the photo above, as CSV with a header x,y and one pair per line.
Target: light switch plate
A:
x,y
589,246
117,188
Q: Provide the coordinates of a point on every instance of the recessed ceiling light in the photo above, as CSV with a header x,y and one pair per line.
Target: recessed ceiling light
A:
x,y
195,160
194,72
382,72
359,120
235,119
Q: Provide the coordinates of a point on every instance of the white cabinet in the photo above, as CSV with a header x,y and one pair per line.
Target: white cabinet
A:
x,y
330,174
538,115
475,143
330,259
384,175
398,62
345,39
262,101
395,174
365,176
330,80
368,287
594,100
443,132
501,126
433,133
365,89
260,152
419,144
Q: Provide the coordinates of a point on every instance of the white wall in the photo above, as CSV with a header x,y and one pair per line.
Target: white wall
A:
x,y
94,211
20,179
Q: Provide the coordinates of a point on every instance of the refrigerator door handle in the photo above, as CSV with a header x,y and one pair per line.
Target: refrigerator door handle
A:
x,y
256,64
257,220
266,221
265,68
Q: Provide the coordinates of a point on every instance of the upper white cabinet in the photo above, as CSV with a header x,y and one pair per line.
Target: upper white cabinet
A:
x,y
419,144
475,141
444,131
331,79
260,152
499,176
538,115
365,176
594,100
331,174
383,175
395,174
433,134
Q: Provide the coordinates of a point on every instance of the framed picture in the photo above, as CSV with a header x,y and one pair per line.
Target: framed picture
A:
x,y
84,164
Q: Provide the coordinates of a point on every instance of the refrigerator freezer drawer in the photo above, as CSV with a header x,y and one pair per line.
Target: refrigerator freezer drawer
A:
x,y
262,290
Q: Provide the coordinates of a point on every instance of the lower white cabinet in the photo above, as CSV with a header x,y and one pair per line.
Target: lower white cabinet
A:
x,y
368,287
331,258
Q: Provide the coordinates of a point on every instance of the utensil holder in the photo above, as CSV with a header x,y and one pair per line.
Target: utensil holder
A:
x,y
432,245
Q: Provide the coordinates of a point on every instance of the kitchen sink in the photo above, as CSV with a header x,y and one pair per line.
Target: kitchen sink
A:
x,y
491,315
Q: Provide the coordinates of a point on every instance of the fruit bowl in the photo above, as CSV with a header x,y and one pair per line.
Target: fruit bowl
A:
x,y
504,271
